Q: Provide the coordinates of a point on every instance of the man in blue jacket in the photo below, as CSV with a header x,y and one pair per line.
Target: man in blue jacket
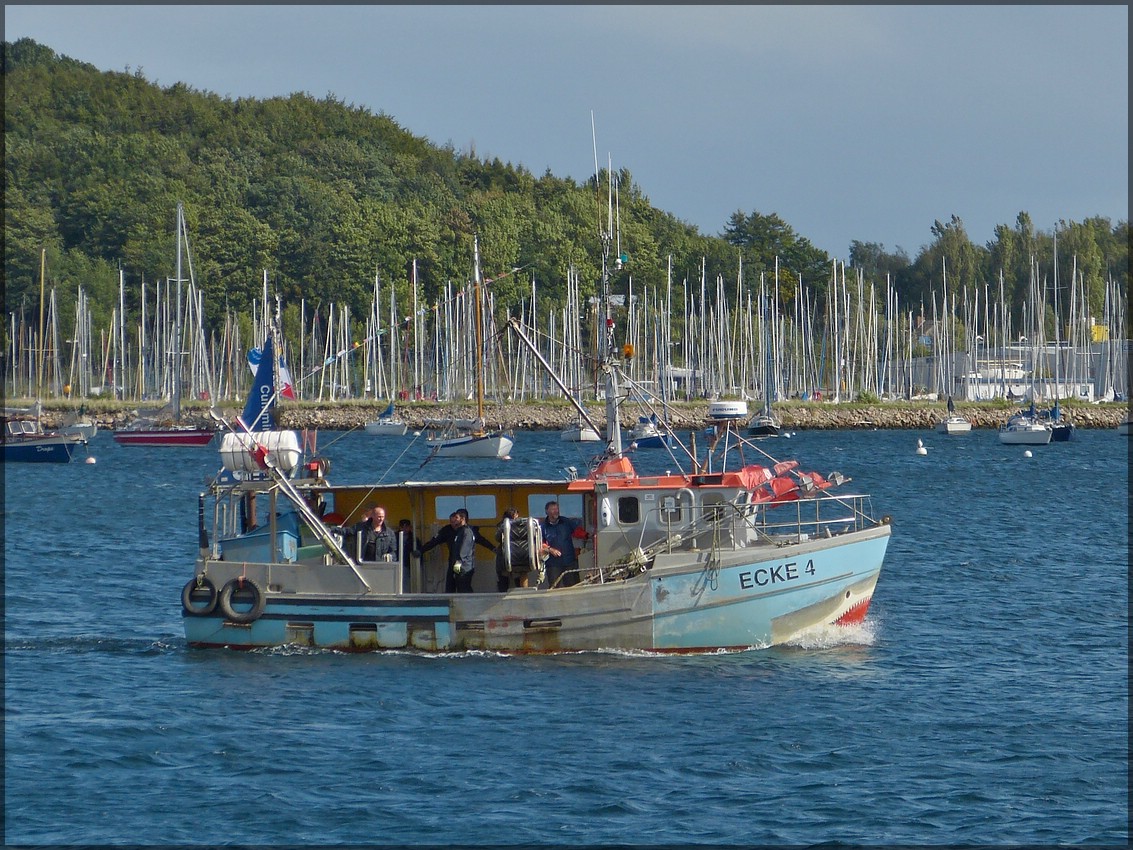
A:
x,y
558,540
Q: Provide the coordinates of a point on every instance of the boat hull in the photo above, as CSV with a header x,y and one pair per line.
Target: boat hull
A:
x,y
1061,433
165,437
496,445
688,602
1027,435
954,426
50,449
386,428
763,426
578,434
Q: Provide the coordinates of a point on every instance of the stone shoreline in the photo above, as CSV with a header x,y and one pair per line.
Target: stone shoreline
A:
x,y
554,416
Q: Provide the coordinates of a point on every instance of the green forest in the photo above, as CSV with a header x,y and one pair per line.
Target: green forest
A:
x,y
324,196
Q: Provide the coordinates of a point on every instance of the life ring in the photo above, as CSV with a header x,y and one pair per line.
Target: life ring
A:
x,y
194,584
249,592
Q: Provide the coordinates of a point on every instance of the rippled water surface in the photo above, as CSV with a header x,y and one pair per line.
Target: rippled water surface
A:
x,y
985,700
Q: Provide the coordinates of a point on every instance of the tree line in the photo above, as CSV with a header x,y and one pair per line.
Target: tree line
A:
x,y
326,195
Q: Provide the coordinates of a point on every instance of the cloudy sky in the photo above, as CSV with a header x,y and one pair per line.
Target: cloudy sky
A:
x,y
849,122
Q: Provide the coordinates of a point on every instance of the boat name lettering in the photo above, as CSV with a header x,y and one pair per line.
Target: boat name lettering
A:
x,y
774,575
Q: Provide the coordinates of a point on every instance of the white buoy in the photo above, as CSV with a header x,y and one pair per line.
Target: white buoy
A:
x,y
1027,453
921,450
91,460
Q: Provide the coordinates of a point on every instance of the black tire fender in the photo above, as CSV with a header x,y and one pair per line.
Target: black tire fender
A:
x,y
245,587
201,582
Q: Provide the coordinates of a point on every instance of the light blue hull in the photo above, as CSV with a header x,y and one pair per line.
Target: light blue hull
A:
x,y
685,603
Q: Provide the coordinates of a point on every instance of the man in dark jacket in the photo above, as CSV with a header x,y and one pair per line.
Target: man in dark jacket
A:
x,y
558,537
377,538
461,539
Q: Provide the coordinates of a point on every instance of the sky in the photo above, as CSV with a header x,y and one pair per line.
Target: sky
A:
x,y
865,123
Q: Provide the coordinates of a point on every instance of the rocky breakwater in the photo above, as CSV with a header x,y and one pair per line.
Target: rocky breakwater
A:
x,y
556,415
550,416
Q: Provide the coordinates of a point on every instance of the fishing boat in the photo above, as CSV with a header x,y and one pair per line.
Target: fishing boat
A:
x,y
470,437
1025,429
954,423
165,426
712,558
387,424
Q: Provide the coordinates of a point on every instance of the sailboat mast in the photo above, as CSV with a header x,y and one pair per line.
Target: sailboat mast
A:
x,y
176,392
476,319
42,348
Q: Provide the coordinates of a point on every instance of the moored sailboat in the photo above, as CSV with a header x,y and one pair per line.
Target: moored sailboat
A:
x,y
388,424
23,435
165,426
1024,429
954,423
465,437
26,441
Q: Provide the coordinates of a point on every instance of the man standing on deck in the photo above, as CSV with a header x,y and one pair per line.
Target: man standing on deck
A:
x,y
377,539
461,539
558,540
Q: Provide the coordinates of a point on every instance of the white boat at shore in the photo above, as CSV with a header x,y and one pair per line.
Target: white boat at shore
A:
x,y
456,437
1024,429
579,433
953,423
387,424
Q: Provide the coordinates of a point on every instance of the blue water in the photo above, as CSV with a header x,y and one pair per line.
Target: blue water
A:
x,y
984,700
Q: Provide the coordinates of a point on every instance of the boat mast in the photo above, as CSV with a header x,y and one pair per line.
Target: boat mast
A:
x,y
476,319
176,390
42,347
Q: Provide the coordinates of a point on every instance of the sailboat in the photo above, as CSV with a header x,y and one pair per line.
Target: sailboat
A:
x,y
647,433
579,432
1025,429
79,424
24,438
764,423
387,424
954,423
164,427
455,437
1061,429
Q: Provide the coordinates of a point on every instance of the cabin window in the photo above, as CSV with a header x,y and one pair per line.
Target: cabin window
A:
x,y
629,512
478,507
570,504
